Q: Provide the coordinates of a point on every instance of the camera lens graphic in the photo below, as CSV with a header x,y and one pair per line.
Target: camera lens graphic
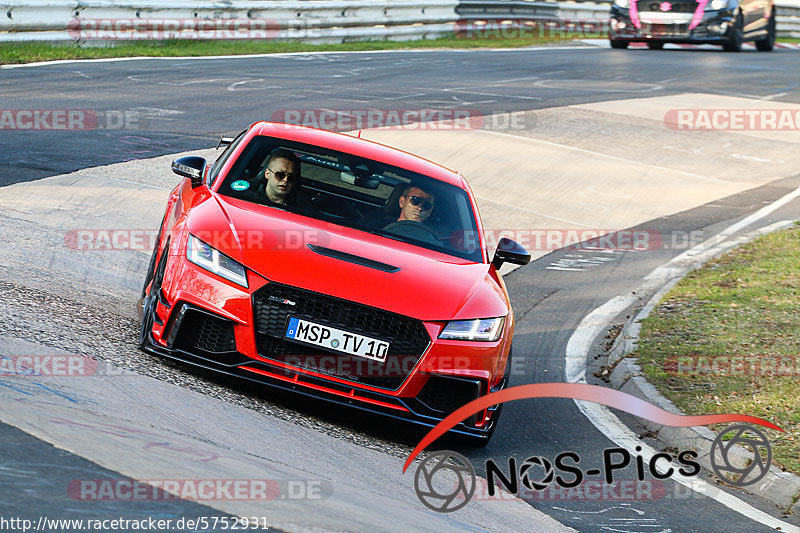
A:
x,y
758,465
445,481
532,463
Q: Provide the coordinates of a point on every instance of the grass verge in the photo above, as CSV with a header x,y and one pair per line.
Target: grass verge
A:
x,y
744,305
11,53
31,52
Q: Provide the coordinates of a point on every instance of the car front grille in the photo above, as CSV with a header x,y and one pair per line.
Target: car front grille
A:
x,y
272,306
665,29
645,6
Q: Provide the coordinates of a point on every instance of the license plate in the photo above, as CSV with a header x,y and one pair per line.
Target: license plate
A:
x,y
336,339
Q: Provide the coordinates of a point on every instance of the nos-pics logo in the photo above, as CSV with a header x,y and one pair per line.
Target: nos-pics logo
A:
x,y
445,481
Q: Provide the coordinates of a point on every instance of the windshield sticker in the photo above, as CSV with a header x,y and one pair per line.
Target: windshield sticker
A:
x,y
240,185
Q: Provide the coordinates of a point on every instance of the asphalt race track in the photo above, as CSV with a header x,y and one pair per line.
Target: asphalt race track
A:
x,y
572,137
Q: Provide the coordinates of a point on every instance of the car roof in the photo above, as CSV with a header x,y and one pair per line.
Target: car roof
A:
x,y
360,147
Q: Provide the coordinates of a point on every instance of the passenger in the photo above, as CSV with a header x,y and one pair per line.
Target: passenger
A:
x,y
283,174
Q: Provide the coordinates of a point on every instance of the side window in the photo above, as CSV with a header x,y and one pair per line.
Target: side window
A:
x,y
220,162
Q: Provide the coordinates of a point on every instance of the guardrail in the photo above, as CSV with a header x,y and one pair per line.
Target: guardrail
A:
x,y
307,20
312,21
788,21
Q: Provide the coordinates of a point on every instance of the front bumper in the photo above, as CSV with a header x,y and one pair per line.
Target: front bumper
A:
x,y
710,27
226,332
411,410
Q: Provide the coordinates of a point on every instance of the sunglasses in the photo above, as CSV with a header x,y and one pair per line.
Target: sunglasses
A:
x,y
427,205
281,175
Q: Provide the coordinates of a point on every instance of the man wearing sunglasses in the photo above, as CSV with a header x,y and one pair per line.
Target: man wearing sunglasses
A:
x,y
415,205
281,174
415,208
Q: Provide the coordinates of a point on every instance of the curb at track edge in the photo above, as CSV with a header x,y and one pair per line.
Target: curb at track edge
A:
x,y
778,487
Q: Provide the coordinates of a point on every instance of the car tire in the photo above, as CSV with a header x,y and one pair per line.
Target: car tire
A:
x,y
618,44
152,268
655,45
149,301
768,43
735,35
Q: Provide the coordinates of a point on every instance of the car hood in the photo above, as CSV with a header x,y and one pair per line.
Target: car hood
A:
x,y
427,285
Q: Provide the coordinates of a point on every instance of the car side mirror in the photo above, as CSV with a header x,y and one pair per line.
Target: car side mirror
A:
x,y
512,252
190,166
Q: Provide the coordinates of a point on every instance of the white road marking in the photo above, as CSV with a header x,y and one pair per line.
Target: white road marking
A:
x,y
604,250
597,321
624,507
566,269
586,85
494,94
232,86
176,83
575,261
610,523
156,111
502,82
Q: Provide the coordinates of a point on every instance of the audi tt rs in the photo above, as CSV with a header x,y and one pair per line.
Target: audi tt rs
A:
x,y
337,268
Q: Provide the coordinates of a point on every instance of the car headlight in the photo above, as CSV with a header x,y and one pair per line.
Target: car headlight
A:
x,y
621,3
483,329
716,4
203,255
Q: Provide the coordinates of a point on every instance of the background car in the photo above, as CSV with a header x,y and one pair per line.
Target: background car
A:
x,y
411,320
724,22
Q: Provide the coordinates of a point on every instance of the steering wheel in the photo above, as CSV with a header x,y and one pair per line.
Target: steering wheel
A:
x,y
413,230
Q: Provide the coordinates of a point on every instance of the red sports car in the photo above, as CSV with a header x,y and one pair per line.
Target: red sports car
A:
x,y
335,267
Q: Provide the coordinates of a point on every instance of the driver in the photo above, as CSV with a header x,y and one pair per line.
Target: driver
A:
x,y
415,204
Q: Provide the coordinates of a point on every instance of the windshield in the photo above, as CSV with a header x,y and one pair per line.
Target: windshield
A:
x,y
355,192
